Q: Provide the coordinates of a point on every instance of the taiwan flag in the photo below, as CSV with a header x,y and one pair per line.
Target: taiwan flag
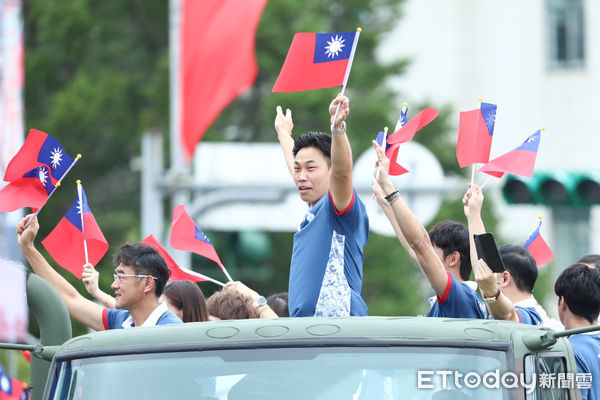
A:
x,y
418,122
519,161
66,241
475,132
317,60
538,248
39,149
391,152
30,190
12,388
186,236
177,274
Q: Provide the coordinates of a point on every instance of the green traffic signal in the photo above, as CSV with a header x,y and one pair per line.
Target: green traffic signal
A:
x,y
556,188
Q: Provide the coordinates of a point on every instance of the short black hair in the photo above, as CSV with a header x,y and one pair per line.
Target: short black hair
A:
x,y
521,265
319,140
279,304
590,259
145,261
451,236
579,286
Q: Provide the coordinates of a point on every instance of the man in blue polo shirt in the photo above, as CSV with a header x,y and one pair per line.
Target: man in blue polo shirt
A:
x,y
327,257
140,278
578,291
440,254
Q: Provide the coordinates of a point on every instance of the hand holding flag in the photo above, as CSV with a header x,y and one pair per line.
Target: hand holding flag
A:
x,y
77,239
186,236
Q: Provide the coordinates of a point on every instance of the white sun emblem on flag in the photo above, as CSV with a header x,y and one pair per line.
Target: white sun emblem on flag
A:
x,y
531,139
78,207
43,175
335,46
56,157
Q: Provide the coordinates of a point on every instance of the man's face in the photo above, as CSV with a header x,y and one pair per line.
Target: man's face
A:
x,y
129,289
311,174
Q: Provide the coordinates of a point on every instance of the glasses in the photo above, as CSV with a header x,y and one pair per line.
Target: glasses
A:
x,y
119,276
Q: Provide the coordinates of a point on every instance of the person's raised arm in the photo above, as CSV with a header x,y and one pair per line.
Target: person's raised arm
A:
x,y
283,127
83,310
502,308
473,202
389,213
341,155
90,280
415,233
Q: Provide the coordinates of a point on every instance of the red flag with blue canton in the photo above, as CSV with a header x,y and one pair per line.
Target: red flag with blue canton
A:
x,y
408,131
12,388
177,274
519,161
475,132
186,236
32,189
65,242
39,149
316,60
538,248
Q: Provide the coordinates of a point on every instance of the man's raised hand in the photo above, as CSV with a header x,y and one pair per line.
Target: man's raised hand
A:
x,y
283,123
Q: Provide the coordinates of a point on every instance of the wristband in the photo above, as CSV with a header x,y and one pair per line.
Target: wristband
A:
x,y
392,196
260,301
340,132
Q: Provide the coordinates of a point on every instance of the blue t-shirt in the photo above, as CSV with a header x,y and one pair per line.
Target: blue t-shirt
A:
x,y
528,315
458,301
113,319
587,357
327,260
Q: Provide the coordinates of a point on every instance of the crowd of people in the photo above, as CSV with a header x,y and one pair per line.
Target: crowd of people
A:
x,y
326,267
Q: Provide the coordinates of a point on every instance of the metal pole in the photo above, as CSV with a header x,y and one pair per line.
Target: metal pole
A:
x,y
152,172
179,167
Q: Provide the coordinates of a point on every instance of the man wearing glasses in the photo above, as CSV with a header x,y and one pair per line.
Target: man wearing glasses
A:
x,y
140,278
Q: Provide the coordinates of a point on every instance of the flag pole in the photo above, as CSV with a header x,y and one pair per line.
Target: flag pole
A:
x,y
351,59
80,197
226,273
189,271
53,190
486,182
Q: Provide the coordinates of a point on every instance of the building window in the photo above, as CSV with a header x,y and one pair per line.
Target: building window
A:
x,y
566,33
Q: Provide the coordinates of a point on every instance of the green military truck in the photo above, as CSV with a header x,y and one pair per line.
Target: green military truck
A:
x,y
299,358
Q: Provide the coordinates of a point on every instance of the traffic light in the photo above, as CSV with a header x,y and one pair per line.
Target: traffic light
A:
x,y
555,188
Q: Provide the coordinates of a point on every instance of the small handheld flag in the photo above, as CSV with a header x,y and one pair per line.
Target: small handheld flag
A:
x,y
519,161
317,60
177,273
186,236
30,190
418,122
75,231
39,149
538,248
475,132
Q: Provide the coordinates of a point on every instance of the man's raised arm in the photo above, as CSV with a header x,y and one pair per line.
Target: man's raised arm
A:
x,y
283,127
413,231
80,308
340,185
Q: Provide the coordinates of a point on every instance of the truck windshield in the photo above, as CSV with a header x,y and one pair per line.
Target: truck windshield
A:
x,y
277,373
